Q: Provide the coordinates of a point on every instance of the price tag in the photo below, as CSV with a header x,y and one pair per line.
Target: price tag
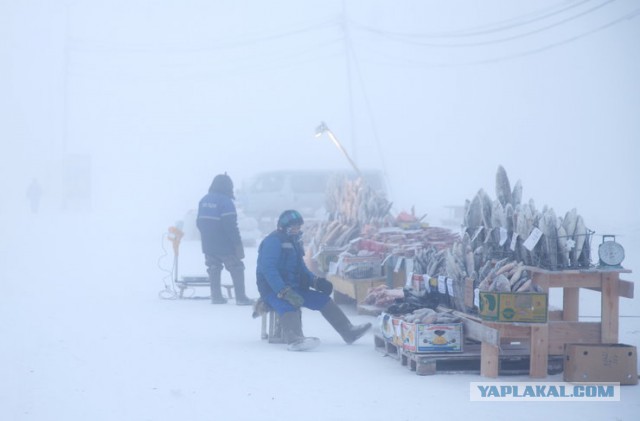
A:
x,y
503,236
408,266
442,284
514,241
476,297
450,287
533,239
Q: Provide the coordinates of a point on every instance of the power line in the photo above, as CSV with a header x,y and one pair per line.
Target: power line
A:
x,y
369,109
229,43
628,16
483,30
614,22
403,39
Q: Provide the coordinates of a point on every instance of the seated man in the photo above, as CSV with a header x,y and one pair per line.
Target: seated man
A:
x,y
286,284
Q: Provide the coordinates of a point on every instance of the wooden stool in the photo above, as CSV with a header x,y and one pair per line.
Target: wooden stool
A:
x,y
229,290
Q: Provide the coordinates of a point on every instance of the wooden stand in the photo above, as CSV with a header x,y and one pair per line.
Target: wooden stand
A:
x,y
356,289
561,328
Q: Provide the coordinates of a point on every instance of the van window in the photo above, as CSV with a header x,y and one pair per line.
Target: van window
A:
x,y
267,194
309,183
269,183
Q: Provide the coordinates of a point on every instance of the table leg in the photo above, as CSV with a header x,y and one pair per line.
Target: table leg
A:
x,y
489,360
610,308
570,304
539,351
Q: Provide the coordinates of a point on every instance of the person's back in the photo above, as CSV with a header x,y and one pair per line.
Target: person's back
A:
x,y
217,222
222,246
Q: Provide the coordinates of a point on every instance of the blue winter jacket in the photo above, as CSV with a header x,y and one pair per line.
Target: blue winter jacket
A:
x,y
281,264
218,225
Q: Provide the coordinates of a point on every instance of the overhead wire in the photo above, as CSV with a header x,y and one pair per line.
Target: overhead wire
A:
x,y
369,109
628,16
508,38
419,63
515,22
223,44
179,58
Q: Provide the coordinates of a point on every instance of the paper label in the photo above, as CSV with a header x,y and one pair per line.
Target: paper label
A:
x,y
450,287
503,236
476,297
408,266
533,239
442,284
514,241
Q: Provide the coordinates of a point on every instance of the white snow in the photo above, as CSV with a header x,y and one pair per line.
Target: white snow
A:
x,y
151,99
86,337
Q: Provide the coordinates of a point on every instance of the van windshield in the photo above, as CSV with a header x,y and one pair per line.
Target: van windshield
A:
x,y
309,183
268,183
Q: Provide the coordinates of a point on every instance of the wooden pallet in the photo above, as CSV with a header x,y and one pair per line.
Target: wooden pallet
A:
x,y
514,359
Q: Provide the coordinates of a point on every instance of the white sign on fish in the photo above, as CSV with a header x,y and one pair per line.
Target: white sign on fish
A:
x,y
533,239
514,241
503,236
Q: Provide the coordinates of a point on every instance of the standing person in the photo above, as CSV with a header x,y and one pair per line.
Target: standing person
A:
x,y
286,284
221,243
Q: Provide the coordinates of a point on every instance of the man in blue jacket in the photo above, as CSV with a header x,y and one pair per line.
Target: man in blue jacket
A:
x,y
286,284
220,236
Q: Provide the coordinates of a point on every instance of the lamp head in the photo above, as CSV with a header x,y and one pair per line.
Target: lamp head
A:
x,y
321,129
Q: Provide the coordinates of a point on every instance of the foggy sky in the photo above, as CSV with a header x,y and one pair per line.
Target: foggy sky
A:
x,y
163,95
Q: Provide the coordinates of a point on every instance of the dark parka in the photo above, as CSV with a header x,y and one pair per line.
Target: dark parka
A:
x,y
218,220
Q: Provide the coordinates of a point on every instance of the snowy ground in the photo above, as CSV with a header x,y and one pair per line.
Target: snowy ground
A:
x,y
85,337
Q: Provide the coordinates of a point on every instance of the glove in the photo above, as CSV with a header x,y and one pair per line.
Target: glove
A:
x,y
291,296
322,285
240,252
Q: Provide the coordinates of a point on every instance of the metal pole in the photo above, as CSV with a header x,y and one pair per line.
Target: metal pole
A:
x,y
344,152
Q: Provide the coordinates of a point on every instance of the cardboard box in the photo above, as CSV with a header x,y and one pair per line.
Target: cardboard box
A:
x,y
396,322
521,307
617,363
429,338
386,326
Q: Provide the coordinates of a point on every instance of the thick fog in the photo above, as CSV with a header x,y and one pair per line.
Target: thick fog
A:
x,y
136,105
123,111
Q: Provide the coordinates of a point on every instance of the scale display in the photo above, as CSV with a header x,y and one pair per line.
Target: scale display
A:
x,y
610,252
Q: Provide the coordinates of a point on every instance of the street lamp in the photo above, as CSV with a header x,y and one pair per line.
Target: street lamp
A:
x,y
322,128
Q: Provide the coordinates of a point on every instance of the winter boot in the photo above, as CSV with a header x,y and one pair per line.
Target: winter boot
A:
x,y
336,318
216,293
237,276
291,323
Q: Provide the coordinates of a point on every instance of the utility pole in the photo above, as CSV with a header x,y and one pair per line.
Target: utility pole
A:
x,y
347,50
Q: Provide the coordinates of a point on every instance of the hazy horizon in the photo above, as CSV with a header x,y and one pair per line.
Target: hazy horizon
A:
x,y
160,97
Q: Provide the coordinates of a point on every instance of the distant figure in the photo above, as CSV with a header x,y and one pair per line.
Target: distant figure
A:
x,y
286,284
34,194
221,243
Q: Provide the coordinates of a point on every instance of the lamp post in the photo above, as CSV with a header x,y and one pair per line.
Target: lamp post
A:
x,y
322,128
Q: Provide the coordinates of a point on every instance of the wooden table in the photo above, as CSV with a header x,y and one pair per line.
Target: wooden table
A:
x,y
563,326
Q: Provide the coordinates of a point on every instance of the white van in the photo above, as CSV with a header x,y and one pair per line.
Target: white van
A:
x,y
267,194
